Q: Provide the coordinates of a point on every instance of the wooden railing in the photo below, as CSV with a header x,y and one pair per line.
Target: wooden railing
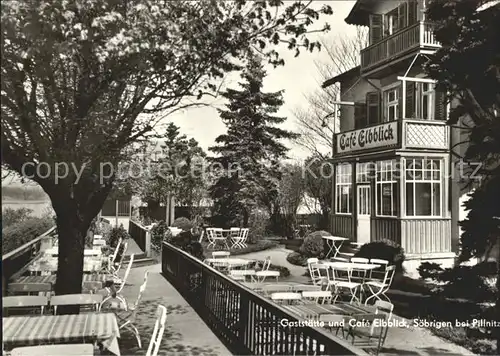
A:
x,y
141,236
15,262
418,35
246,322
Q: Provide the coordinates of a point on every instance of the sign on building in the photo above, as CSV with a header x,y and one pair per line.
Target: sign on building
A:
x,y
371,137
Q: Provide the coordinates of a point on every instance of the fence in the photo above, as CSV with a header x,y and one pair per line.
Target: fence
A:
x,y
141,236
246,322
15,262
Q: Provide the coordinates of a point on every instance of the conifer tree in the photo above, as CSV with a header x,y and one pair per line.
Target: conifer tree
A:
x,y
248,154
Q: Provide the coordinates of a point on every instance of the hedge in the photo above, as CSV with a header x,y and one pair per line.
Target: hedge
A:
x,y
23,232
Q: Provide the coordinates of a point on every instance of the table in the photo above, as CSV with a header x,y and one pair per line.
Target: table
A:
x,y
88,252
49,265
349,266
49,329
331,242
314,311
231,262
90,281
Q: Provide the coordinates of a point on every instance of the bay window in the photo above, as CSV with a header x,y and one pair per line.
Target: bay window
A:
x,y
424,187
343,189
386,189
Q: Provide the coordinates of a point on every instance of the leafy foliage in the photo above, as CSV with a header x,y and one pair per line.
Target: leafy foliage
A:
x,y
385,250
183,223
248,155
24,231
83,80
298,259
115,234
15,216
188,242
314,245
159,233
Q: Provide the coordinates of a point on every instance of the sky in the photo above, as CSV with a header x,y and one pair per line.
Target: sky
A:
x,y
297,77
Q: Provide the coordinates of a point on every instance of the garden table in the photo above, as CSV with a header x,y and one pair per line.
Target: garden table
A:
x,y
334,243
230,262
313,311
47,265
89,282
62,329
88,252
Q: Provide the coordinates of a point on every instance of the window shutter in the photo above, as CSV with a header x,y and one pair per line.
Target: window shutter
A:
x,y
375,28
400,102
440,111
410,100
359,115
402,13
412,12
373,107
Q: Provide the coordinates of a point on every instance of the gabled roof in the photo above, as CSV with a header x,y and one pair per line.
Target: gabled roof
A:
x,y
342,77
360,12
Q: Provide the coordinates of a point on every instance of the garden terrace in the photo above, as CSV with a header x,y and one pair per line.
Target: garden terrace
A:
x,y
245,321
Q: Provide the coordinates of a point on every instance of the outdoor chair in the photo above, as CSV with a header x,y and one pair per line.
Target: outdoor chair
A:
x,y
26,303
379,288
201,236
244,237
86,301
324,276
234,234
55,350
121,284
286,297
214,236
156,337
129,316
343,282
378,273
262,275
334,321
111,258
242,274
314,272
43,289
370,334
318,297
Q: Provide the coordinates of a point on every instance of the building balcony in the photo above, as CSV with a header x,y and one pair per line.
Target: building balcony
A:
x,y
399,134
415,37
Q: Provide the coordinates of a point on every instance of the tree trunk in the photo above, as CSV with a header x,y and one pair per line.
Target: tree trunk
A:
x,y
246,217
71,234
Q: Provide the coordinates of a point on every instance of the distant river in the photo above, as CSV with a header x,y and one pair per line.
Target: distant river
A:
x,y
39,207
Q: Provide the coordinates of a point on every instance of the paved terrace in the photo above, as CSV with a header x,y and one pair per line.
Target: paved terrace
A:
x,y
185,333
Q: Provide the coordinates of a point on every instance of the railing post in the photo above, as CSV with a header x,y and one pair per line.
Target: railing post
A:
x,y
147,244
243,321
421,33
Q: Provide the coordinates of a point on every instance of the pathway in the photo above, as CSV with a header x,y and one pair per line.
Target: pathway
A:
x,y
400,340
185,333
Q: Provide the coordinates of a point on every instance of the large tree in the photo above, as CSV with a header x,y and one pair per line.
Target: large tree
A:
x,y
82,80
467,67
318,174
249,153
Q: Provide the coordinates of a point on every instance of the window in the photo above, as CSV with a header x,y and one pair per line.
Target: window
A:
x,y
391,100
427,101
373,107
343,189
421,101
386,187
363,173
423,187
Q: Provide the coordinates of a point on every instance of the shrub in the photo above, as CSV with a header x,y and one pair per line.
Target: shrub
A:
x,y
314,245
466,282
297,259
188,242
257,224
158,234
384,250
23,232
115,234
14,216
182,223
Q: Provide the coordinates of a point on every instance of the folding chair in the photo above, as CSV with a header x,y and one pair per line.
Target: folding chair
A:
x,y
378,288
368,331
262,275
111,258
90,301
235,235
244,237
121,283
30,302
129,316
343,281
156,337
378,273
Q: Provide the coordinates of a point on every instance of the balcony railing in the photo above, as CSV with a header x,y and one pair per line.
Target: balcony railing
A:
x,y
419,35
398,134
246,322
